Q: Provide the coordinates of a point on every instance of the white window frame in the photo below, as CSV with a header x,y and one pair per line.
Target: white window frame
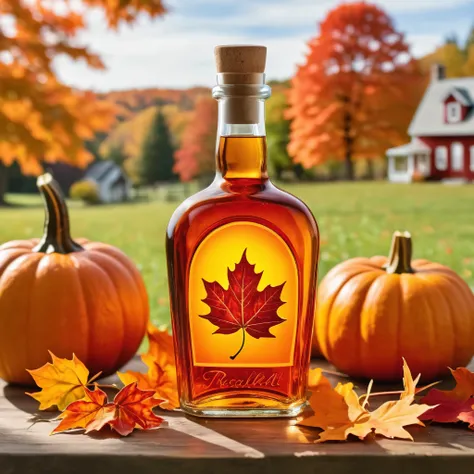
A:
x,y
457,156
471,161
453,112
441,158
400,160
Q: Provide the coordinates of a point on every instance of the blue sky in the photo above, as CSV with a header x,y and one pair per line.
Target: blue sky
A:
x,y
177,50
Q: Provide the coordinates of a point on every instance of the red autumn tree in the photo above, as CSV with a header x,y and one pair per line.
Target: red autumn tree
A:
x,y
196,156
356,92
40,117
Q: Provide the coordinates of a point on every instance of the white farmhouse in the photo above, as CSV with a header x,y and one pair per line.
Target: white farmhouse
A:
x,y
112,183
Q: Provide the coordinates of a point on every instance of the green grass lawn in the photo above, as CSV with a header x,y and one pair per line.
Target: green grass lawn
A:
x,y
355,219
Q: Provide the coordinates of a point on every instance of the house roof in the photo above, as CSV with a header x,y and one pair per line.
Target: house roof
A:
x,y
415,146
429,118
460,94
100,170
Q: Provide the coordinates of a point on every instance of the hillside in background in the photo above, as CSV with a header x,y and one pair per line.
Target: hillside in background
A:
x,y
135,110
130,102
351,97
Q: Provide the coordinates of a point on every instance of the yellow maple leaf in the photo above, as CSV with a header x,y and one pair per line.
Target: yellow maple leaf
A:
x,y
390,418
161,375
317,379
144,382
62,382
338,412
161,346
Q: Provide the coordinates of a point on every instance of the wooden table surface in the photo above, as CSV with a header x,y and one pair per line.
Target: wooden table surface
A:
x,y
195,446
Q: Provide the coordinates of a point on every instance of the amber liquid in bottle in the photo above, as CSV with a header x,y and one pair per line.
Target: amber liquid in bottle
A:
x,y
242,262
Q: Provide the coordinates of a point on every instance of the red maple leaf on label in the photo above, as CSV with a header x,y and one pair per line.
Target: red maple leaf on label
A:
x,y
242,307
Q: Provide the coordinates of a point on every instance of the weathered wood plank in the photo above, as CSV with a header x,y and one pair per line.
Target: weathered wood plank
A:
x,y
208,446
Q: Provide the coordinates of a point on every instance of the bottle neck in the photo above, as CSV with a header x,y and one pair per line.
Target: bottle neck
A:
x,y
241,140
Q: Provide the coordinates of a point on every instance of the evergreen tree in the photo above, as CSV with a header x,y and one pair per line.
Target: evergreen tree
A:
x,y
469,51
470,40
468,68
452,39
93,145
157,153
117,155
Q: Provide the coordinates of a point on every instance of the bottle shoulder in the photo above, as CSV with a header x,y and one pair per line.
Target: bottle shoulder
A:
x,y
193,204
265,202
298,205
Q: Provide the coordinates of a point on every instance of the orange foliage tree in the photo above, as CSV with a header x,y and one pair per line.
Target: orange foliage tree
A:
x,y
356,92
41,118
196,156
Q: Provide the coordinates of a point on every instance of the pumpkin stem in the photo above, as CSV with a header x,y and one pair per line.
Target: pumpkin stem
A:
x,y
399,259
56,237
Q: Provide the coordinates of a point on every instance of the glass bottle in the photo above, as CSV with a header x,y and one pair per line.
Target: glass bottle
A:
x,y
242,265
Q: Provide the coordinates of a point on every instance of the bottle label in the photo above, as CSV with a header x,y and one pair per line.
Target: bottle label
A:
x,y
243,299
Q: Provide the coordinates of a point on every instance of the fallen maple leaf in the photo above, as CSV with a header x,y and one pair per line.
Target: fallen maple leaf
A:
x,y
390,418
317,379
62,382
80,413
339,413
160,345
132,408
162,380
161,375
468,417
453,405
242,306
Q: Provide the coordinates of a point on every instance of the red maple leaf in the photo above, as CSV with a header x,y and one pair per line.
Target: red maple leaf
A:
x,y
242,306
468,417
130,409
454,405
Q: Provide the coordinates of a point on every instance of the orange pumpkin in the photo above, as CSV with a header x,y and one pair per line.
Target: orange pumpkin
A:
x,y
374,311
67,297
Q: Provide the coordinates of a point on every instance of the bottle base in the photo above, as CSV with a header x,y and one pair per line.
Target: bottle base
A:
x,y
230,411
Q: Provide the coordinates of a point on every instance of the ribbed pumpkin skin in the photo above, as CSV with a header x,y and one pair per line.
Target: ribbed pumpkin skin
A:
x,y
368,319
92,303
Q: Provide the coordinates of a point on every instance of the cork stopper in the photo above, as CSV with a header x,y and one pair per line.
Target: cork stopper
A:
x,y
240,58
242,68
241,64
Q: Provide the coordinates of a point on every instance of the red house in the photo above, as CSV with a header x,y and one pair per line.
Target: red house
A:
x,y
442,131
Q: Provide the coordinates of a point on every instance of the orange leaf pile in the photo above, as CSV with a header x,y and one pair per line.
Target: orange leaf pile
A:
x,y
453,405
161,375
62,382
339,413
130,409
